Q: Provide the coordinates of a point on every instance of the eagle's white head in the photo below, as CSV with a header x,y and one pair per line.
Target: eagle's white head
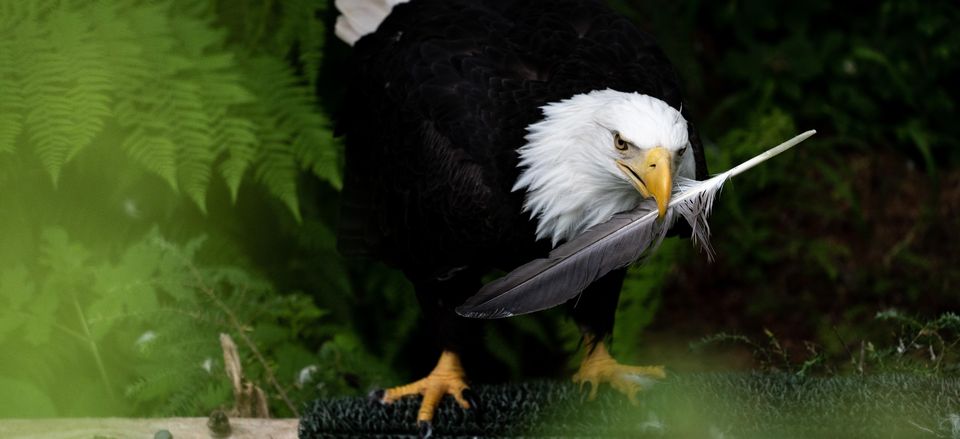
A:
x,y
597,154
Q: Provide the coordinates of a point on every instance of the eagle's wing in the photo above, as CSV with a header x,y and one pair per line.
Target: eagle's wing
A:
x,y
436,99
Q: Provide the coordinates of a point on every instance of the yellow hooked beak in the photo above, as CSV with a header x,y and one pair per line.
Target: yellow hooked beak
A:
x,y
651,175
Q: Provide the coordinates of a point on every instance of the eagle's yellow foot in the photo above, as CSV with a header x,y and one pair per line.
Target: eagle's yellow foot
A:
x,y
599,367
447,378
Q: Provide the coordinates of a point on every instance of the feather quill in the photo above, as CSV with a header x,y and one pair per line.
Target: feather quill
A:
x,y
625,238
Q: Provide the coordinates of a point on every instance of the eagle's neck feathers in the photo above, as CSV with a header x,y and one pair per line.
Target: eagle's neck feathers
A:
x,y
568,163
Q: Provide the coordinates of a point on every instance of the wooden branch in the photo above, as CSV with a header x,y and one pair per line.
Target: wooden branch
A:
x,y
180,428
249,399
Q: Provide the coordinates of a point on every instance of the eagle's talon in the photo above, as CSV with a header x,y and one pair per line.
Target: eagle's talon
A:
x,y
459,395
586,394
376,396
447,378
474,404
471,398
426,429
599,367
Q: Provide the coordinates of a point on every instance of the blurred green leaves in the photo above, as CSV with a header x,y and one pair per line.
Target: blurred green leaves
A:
x,y
146,322
127,129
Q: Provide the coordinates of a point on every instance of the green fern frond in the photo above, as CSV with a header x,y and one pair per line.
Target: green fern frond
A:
x,y
297,135
193,133
221,86
188,105
238,137
209,394
277,170
12,104
66,88
49,125
156,153
161,386
11,121
288,28
315,147
300,26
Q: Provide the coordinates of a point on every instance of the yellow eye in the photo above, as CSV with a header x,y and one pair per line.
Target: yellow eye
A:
x,y
619,142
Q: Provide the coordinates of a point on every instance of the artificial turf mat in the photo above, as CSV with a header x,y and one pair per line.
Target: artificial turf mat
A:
x,y
690,405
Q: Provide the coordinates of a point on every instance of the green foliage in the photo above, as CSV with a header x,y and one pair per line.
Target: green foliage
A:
x,y
770,356
160,82
641,296
115,119
147,323
269,27
74,312
930,348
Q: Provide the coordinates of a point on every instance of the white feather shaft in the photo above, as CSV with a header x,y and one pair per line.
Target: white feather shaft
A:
x,y
745,166
770,153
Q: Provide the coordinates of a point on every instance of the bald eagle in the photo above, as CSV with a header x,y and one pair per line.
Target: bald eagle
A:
x,y
481,134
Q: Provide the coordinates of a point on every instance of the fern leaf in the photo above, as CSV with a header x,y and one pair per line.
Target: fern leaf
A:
x,y
193,132
238,137
49,126
11,121
299,26
156,153
186,102
67,89
11,100
277,170
293,120
320,152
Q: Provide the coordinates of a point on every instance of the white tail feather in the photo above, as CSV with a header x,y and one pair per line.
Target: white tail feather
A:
x,y
627,237
361,17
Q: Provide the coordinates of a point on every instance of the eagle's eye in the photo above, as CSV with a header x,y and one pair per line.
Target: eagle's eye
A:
x,y
682,150
619,142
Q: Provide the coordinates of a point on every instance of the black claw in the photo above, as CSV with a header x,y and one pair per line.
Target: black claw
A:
x,y
471,397
426,429
584,394
474,401
376,396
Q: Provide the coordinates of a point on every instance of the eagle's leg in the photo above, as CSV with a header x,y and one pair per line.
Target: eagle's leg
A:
x,y
455,335
594,312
